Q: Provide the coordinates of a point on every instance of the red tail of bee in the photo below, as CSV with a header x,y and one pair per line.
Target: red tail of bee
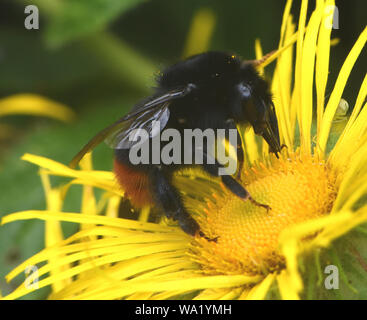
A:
x,y
135,183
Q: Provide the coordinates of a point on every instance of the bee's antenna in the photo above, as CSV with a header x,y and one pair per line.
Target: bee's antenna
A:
x,y
260,61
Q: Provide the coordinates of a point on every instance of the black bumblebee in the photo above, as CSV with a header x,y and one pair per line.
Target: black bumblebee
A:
x,y
211,90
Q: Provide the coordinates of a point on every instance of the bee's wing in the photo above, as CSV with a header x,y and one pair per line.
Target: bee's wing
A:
x,y
124,134
140,117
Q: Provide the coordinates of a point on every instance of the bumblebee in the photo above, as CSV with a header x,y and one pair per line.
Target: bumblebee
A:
x,y
212,90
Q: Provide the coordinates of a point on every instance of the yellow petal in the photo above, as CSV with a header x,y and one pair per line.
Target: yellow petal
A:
x,y
349,135
338,91
53,230
251,148
281,87
259,55
287,292
259,291
322,63
184,284
104,180
84,218
307,76
32,104
200,32
296,96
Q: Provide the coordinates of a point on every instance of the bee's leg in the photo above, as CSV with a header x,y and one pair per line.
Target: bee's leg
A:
x,y
239,149
240,155
169,199
240,191
233,185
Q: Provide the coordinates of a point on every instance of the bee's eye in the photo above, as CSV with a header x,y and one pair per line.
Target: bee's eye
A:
x,y
244,90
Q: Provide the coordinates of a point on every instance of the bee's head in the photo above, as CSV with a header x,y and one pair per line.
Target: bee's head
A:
x,y
258,107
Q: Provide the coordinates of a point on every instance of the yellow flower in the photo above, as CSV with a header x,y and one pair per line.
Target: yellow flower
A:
x,y
315,190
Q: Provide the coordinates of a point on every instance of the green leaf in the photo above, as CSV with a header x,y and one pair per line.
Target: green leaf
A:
x,y
73,19
352,252
349,255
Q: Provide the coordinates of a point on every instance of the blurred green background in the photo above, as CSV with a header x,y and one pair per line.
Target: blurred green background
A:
x,y
99,58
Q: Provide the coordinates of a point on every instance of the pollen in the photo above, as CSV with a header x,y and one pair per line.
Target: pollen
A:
x,y
296,188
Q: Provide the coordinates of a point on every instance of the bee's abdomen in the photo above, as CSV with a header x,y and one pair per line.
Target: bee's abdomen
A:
x,y
135,183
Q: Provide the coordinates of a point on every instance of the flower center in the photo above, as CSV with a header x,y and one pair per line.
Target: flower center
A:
x,y
296,188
